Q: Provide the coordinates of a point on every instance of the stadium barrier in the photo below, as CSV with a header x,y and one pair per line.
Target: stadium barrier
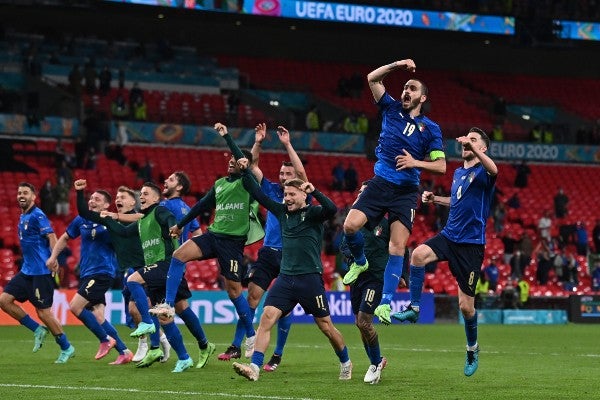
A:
x,y
520,317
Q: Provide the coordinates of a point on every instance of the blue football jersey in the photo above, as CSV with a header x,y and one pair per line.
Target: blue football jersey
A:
x,y
419,136
34,228
272,228
97,253
470,202
179,209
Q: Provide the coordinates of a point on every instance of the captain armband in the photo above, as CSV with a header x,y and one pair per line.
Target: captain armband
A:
x,y
436,154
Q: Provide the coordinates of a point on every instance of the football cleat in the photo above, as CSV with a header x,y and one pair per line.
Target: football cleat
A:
x,y
248,371
231,352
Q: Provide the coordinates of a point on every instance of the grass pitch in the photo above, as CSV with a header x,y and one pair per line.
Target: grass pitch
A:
x,y
424,362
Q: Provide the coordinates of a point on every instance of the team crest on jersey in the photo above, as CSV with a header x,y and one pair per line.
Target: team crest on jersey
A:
x,y
421,126
377,231
471,177
302,216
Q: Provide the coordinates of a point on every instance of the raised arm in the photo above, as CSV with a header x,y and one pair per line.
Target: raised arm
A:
x,y
284,138
235,150
207,202
260,132
252,187
328,207
375,77
488,163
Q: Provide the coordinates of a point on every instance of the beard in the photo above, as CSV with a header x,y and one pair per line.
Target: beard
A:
x,y
414,103
468,156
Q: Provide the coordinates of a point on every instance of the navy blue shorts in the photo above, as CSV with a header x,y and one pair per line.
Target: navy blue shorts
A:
x,y
37,289
464,259
381,197
365,294
155,276
266,268
93,288
229,252
308,290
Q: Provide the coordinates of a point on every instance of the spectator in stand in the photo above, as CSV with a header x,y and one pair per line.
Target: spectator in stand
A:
x,y
350,123
89,162
522,175
356,85
338,172
75,78
514,201
517,264
499,217
47,199
121,78
481,291
343,87
535,136
135,94
547,135
61,194
89,76
545,226
545,258
561,200
581,237
497,133
491,273
569,270
119,108
596,236
509,297
312,119
526,246
64,172
500,110
362,124
510,243
596,277
350,178
140,109
144,174
523,288
104,79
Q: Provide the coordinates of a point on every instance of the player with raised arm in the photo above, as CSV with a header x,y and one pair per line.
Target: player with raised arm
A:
x,y
300,280
462,241
224,239
97,272
409,143
266,268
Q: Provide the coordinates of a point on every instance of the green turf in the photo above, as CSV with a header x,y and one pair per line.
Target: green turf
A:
x,y
424,362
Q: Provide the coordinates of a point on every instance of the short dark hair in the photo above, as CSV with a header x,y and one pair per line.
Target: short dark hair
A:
x,y
296,182
287,164
424,88
184,180
105,194
125,189
154,187
481,133
27,185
